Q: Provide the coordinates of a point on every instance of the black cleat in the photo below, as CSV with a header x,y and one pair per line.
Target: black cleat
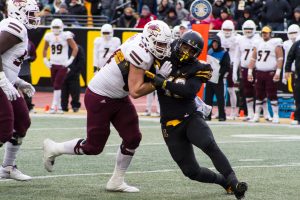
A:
x,y
240,190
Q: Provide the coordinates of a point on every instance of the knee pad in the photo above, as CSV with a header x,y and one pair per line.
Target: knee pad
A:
x,y
132,142
82,147
126,151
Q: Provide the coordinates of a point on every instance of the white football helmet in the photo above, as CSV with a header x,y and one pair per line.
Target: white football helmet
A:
x,y
293,32
57,26
249,28
107,31
24,11
176,32
227,28
157,37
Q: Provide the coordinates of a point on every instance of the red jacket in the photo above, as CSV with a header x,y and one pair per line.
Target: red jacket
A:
x,y
144,20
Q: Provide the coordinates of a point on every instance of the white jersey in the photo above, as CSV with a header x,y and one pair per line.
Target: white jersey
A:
x,y
13,57
229,44
265,54
59,47
244,49
103,49
286,46
112,80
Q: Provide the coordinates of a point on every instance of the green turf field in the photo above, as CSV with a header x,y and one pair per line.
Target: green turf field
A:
x,y
267,157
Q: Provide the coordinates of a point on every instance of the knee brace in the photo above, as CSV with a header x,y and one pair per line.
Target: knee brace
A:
x,y
82,147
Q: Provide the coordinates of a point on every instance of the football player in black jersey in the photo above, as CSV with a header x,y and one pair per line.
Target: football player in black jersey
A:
x,y
182,125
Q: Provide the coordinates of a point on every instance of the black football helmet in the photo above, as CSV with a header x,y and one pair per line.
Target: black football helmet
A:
x,y
189,46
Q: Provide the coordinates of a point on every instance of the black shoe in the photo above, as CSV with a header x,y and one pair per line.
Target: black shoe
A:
x,y
75,110
222,119
240,190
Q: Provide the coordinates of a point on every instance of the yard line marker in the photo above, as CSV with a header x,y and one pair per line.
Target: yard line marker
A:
x,y
250,160
158,171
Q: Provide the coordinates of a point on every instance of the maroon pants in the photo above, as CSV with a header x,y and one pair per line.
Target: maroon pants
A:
x,y
230,82
248,87
101,111
58,75
14,117
265,86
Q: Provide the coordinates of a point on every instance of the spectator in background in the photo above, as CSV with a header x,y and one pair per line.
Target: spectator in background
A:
x,y
163,8
56,5
182,29
274,12
127,19
230,4
247,15
225,15
146,16
296,16
152,5
63,15
108,8
182,13
294,3
172,19
95,7
25,74
217,7
77,8
219,60
45,15
71,84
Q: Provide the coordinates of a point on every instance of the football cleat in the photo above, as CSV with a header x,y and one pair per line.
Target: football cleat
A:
x,y
51,111
120,187
240,190
275,120
49,155
295,122
12,172
255,119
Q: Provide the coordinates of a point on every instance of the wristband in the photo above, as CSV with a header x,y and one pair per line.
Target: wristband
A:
x,y
71,59
278,71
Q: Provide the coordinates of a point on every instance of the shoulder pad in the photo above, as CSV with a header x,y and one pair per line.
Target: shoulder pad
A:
x,y
68,35
14,27
116,40
139,56
277,41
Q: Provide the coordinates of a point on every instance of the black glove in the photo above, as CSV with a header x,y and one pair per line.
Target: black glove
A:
x,y
157,80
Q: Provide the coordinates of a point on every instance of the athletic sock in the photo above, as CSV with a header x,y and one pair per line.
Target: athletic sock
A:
x,y
10,154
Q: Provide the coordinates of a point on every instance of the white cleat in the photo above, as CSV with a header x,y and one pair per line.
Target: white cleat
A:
x,y
120,187
295,122
51,111
255,119
275,120
49,155
12,172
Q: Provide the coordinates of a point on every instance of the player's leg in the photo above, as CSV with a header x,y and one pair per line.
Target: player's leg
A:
x,y
59,80
260,95
149,99
209,94
126,123
297,100
248,91
271,89
6,119
232,95
219,90
65,92
182,153
199,134
75,94
12,146
156,103
98,123
53,70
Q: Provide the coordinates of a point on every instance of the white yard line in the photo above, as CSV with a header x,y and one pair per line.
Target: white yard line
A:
x,y
159,171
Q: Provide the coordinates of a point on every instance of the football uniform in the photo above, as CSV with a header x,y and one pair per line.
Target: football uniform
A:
x,y
59,47
14,115
103,50
112,80
265,68
286,46
107,100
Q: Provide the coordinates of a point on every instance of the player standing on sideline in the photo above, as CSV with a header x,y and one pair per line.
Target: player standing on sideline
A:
x,y
267,57
14,114
59,42
104,46
182,126
242,58
229,39
107,101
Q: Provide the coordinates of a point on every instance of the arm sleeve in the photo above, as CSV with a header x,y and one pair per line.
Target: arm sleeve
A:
x,y
291,57
95,51
225,64
236,60
187,90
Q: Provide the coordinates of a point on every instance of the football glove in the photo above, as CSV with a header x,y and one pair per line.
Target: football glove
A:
x,y
165,69
25,87
47,63
157,80
10,91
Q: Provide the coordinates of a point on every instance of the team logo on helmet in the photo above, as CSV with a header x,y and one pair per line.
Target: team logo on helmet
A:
x,y
200,9
19,3
153,29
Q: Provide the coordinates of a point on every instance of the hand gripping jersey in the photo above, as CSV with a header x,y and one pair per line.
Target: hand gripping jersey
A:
x,y
244,49
286,46
229,44
13,57
112,80
59,47
265,54
103,50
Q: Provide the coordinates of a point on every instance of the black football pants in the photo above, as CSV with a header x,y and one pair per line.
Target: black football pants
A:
x,y
70,87
296,90
180,140
217,89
